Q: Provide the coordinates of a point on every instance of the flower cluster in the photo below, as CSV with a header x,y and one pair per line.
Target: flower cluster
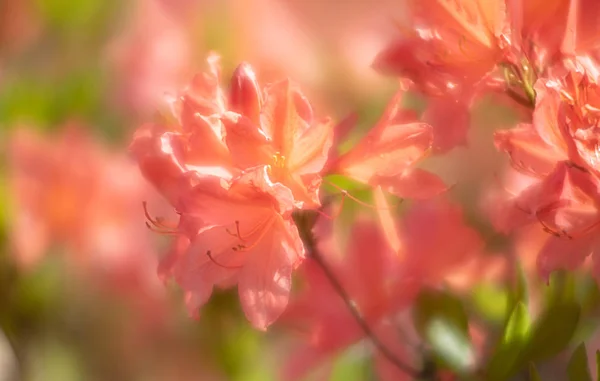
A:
x,y
236,164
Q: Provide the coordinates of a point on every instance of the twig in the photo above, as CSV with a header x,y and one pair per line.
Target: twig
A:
x,y
357,315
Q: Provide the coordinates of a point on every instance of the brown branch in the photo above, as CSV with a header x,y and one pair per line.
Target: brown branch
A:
x,y
356,313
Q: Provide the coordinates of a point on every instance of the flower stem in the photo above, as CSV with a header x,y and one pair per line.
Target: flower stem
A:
x,y
357,315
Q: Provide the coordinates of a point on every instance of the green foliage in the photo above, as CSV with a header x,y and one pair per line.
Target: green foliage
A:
x,y
491,302
578,365
443,323
552,331
505,360
349,367
523,342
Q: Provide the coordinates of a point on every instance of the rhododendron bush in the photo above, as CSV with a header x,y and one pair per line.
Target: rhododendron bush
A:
x,y
294,190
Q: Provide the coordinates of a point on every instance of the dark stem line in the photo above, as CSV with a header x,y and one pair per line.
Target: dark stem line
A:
x,y
358,317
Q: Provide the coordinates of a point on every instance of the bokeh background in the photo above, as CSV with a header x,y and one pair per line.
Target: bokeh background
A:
x,y
80,298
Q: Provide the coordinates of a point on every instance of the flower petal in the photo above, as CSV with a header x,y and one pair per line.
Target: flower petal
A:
x,y
413,183
265,281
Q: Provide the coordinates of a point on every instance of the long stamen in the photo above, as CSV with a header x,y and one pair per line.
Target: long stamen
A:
x,y
208,253
337,214
159,230
365,204
265,228
158,222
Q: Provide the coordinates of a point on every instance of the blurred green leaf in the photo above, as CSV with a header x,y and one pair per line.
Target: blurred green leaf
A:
x,y
442,322
577,368
520,292
491,301
518,325
67,15
533,373
504,361
552,331
342,182
562,288
350,366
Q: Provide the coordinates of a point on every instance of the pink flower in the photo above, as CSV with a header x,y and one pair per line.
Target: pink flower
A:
x,y
238,232
387,155
151,57
429,228
372,283
565,205
276,127
450,45
435,245
234,165
224,134
70,192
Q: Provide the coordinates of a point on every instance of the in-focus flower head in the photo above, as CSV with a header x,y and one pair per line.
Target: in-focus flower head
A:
x,y
234,164
239,232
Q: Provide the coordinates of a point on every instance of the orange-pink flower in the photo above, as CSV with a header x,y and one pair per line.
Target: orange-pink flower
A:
x,y
71,193
373,284
387,155
237,232
150,57
276,127
450,46
434,244
223,134
565,122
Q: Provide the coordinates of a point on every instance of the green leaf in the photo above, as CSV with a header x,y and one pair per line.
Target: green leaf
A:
x,y
504,361
333,182
441,320
533,373
491,302
552,331
577,368
518,325
562,289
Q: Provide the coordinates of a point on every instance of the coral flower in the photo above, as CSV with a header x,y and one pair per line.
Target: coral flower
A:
x,y
239,232
436,244
387,155
228,133
151,56
276,127
72,194
234,165
372,283
565,123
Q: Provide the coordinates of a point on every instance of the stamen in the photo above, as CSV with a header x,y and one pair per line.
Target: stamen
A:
x,y
521,167
337,214
208,253
263,231
365,204
158,222
238,233
159,230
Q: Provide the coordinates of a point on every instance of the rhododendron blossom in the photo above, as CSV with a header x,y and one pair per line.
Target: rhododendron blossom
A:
x,y
239,232
387,155
382,284
234,165
69,192
456,51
